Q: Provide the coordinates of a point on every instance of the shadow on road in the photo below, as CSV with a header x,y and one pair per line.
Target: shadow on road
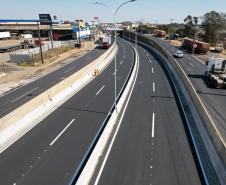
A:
x,y
165,97
84,110
197,76
208,93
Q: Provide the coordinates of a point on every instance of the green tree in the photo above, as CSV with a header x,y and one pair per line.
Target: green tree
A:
x,y
213,24
190,26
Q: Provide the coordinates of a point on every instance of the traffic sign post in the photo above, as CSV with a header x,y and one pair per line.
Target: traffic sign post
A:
x,y
40,43
45,19
194,46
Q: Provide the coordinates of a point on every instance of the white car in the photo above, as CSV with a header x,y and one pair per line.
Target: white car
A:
x,y
179,54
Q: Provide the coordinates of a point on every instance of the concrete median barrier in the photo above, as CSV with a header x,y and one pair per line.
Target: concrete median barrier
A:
x,y
21,120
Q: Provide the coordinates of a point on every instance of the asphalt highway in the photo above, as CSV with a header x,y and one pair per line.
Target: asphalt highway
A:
x,y
213,99
151,147
19,96
51,152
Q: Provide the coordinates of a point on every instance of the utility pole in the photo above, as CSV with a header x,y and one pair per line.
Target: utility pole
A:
x,y
170,27
51,34
40,43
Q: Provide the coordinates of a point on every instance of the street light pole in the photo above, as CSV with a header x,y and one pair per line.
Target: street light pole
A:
x,y
115,36
170,27
40,42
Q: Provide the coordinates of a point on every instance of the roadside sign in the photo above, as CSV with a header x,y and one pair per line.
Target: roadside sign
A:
x,y
194,45
75,29
45,19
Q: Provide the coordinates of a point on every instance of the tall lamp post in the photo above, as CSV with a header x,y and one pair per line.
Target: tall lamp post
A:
x,y
115,13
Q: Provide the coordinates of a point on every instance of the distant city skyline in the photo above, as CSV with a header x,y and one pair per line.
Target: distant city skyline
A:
x,y
146,10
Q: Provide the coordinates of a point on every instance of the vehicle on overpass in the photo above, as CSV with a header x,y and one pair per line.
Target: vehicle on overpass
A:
x,y
216,72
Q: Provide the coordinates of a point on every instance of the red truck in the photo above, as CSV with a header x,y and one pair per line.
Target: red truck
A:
x,y
199,47
160,33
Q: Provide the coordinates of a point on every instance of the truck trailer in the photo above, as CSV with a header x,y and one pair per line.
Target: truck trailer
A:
x,y
4,35
160,33
106,42
200,47
215,73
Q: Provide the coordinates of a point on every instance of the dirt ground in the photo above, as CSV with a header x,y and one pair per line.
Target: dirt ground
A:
x,y
17,75
5,43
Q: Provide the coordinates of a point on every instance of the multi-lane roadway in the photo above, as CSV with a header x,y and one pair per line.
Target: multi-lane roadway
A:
x,y
150,147
213,99
51,152
18,97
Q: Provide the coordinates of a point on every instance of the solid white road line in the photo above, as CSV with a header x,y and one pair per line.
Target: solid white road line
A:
x,y
153,86
116,132
114,72
100,90
202,62
70,69
13,101
61,132
88,58
153,126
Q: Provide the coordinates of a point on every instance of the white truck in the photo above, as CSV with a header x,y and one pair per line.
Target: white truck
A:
x,y
106,42
4,35
219,48
216,72
26,36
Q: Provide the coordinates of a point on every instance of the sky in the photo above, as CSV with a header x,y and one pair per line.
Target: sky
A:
x,y
146,10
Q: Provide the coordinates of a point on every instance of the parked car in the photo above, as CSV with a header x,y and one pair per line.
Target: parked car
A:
x,y
179,54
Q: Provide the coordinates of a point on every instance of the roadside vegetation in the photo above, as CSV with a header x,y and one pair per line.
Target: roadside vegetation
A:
x,y
210,28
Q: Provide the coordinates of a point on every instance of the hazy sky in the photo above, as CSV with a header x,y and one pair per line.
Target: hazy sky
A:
x,y
146,10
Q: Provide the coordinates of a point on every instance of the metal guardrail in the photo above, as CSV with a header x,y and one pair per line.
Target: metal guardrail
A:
x,y
100,131
204,165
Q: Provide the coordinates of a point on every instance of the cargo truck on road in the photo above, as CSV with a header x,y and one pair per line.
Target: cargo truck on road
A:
x,y
198,46
106,42
215,73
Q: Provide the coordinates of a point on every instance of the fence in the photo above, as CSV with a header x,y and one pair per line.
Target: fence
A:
x,y
31,55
